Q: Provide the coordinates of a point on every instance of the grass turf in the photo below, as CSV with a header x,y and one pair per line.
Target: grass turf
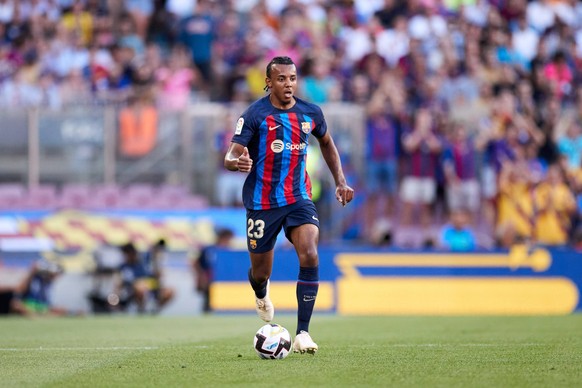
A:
x,y
354,351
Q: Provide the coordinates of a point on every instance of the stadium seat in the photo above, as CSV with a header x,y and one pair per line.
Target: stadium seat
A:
x,y
11,195
42,197
104,197
193,202
137,196
75,195
167,196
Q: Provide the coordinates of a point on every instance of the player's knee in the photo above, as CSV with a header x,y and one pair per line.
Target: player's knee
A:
x,y
309,257
260,275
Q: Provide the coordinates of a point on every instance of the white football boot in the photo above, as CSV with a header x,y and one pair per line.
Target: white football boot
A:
x,y
303,343
265,308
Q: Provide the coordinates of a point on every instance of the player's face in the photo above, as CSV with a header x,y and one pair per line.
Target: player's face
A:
x,y
282,83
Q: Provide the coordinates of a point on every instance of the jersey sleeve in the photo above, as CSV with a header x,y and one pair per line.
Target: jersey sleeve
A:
x,y
245,128
320,128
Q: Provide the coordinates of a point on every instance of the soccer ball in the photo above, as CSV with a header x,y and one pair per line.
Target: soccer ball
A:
x,y
272,341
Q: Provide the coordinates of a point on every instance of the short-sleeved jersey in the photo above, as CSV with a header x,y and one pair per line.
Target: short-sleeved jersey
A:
x,y
277,141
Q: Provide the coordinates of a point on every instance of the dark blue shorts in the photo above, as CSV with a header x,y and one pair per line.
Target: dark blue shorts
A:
x,y
263,226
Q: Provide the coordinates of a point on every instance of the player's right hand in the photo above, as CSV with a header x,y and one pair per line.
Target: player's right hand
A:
x,y
344,194
244,162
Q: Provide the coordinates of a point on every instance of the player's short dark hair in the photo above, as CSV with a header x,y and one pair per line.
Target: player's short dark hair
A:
x,y
278,61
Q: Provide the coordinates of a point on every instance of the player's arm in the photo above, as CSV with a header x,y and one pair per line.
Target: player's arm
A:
x,y
237,158
343,192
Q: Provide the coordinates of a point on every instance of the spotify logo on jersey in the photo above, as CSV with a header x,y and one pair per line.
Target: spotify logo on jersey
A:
x,y
277,146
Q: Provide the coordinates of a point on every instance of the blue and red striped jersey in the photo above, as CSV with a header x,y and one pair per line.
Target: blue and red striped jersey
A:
x,y
277,141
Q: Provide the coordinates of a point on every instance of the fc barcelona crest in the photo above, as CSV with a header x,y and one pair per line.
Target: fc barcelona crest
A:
x,y
306,127
253,244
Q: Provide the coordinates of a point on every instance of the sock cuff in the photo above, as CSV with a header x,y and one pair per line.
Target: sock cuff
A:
x,y
309,274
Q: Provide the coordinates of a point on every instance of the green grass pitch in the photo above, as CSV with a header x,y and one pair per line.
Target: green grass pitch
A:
x,y
126,351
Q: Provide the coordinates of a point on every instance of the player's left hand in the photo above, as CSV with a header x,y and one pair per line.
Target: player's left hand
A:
x,y
344,194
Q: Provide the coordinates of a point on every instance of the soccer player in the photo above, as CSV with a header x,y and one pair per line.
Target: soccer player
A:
x,y
270,143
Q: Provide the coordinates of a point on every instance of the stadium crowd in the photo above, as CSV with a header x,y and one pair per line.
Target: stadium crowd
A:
x,y
474,107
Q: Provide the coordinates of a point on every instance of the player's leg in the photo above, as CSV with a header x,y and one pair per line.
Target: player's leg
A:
x,y
305,238
259,274
302,229
262,229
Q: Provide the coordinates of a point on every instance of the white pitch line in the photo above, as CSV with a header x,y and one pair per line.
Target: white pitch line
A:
x,y
466,345
72,348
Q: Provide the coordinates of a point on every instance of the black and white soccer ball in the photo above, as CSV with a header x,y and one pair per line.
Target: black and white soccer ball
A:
x,y
272,341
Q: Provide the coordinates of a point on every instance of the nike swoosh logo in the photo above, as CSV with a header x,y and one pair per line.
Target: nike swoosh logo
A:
x,y
308,298
275,127
315,218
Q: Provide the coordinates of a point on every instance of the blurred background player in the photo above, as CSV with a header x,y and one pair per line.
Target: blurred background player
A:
x,y
32,296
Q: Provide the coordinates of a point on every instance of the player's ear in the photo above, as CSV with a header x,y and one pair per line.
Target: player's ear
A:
x,y
267,85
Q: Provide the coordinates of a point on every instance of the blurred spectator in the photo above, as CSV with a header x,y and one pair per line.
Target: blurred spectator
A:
x,y
98,70
32,297
549,119
457,235
373,66
390,11
460,168
67,54
358,89
180,8
293,38
6,10
197,33
515,207
79,22
162,25
355,39
140,11
175,81
525,100
318,84
525,40
506,236
559,75
540,15
130,37
383,134
140,283
393,43
577,240
138,127
422,148
203,266
554,206
121,72
228,50
570,144
495,139
75,90
154,260
16,92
